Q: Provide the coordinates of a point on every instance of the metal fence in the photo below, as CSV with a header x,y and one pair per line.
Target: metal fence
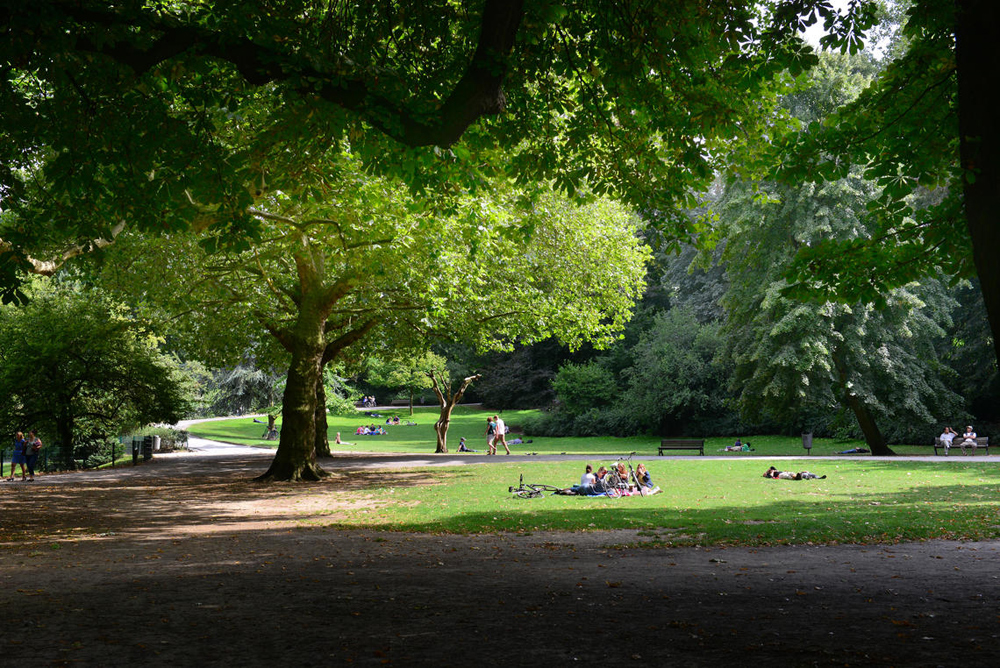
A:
x,y
7,454
118,452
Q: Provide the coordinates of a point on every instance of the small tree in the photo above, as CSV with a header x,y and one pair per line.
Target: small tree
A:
x,y
581,387
675,383
448,399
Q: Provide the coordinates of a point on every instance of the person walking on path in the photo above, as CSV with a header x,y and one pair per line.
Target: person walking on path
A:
x,y
501,434
491,433
31,450
18,457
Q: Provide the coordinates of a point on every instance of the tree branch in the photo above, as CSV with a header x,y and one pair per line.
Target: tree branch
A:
x,y
49,267
334,347
478,92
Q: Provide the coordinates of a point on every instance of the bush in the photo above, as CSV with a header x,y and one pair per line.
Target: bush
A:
x,y
583,387
171,439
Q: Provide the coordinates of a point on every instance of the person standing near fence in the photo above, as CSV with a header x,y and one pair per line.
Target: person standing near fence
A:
x,y
18,455
31,450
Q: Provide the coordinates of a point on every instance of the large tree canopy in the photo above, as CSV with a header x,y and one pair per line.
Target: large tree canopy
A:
x,y
924,132
137,113
350,262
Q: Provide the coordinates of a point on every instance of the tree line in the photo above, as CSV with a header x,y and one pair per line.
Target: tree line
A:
x,y
311,185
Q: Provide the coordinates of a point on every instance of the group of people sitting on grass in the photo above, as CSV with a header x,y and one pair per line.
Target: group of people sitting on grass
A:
x,y
738,446
596,484
370,430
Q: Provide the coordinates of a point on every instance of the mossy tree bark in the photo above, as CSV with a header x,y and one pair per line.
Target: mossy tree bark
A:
x,y
306,341
296,455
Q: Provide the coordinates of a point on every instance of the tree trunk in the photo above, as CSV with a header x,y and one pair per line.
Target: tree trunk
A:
x,y
441,429
322,429
64,435
978,64
411,403
873,436
296,455
448,402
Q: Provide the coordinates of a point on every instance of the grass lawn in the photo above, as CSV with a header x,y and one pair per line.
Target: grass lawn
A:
x,y
704,502
471,423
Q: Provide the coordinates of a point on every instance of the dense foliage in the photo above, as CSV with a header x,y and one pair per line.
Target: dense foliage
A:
x,y
80,370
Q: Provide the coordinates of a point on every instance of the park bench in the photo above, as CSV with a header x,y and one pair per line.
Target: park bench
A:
x,y
400,402
681,444
981,442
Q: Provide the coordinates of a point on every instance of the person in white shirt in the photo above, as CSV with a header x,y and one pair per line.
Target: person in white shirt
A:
x,y
946,437
588,478
501,435
968,438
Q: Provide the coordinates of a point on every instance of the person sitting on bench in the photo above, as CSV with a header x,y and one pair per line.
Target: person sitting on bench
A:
x,y
968,438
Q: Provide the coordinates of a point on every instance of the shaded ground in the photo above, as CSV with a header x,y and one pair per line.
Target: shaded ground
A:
x,y
185,561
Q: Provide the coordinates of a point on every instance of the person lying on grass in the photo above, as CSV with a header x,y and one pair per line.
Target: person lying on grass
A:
x,y
788,475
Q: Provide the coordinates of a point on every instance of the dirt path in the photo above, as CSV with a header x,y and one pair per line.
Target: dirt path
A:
x,y
185,561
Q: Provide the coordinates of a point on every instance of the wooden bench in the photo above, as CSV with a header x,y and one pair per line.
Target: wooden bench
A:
x,y
981,442
682,444
400,402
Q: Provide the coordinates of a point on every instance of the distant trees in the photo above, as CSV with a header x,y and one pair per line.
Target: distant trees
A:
x,y
744,335
243,388
677,381
795,358
796,352
670,380
406,373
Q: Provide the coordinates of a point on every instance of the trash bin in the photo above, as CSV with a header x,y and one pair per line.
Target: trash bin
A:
x,y
156,443
807,442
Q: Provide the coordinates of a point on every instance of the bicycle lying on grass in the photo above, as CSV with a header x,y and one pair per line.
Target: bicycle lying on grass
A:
x,y
531,490
620,476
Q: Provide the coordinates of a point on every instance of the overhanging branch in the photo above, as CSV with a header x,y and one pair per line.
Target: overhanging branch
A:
x,y
477,93
49,267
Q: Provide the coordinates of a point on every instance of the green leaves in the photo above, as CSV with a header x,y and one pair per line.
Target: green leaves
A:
x,y
71,366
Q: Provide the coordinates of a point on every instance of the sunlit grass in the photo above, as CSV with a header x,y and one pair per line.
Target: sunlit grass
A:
x,y
705,502
471,423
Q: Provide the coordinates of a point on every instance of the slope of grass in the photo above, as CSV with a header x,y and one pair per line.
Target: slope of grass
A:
x,y
471,423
